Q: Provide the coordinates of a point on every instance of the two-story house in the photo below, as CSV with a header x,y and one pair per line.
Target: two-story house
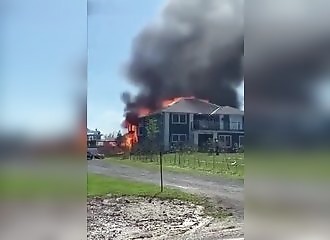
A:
x,y
195,122
93,137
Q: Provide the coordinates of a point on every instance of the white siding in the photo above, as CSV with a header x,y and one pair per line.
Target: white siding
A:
x,y
191,134
196,138
166,131
222,124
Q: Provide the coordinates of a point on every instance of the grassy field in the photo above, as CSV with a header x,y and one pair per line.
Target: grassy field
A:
x,y
100,185
22,185
227,165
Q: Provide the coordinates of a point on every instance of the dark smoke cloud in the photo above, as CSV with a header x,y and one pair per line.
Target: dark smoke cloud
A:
x,y
194,48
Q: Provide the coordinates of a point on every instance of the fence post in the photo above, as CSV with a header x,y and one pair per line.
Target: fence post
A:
x,y
161,171
179,159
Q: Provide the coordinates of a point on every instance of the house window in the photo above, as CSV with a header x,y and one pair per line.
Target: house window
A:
x,y
241,141
183,138
225,141
236,124
140,128
175,137
222,121
140,131
179,118
99,144
179,137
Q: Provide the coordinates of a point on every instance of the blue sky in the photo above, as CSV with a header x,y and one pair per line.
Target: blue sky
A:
x,y
111,30
42,43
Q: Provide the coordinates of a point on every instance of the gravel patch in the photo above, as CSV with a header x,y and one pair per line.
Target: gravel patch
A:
x,y
126,218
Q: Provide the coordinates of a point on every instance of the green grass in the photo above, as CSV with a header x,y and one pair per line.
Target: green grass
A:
x,y
307,165
25,184
101,186
193,163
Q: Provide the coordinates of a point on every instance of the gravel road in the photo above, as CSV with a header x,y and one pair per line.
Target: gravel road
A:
x,y
128,218
224,192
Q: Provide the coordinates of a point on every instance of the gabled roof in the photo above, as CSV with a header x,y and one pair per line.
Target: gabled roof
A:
x,y
228,110
92,132
197,106
191,105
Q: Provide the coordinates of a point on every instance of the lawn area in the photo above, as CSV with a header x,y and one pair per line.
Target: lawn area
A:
x,y
100,185
226,165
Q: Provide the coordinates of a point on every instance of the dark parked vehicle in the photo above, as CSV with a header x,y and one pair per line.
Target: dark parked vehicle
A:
x,y
94,154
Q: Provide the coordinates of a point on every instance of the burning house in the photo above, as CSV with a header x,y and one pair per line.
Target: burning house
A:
x,y
192,48
194,122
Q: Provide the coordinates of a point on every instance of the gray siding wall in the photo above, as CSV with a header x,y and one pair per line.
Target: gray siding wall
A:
x,y
166,128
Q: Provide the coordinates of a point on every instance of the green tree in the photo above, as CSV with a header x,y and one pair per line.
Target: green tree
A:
x,y
119,137
112,135
152,128
152,131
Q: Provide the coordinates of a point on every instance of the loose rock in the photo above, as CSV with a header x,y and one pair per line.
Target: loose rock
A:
x,y
139,218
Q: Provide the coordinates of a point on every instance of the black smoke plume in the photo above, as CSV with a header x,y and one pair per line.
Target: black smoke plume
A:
x,y
194,48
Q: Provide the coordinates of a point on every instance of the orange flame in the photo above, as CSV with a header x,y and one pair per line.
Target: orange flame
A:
x,y
170,102
165,103
130,138
144,112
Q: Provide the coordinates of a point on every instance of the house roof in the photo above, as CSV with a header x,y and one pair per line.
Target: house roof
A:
x,y
228,110
92,132
199,106
191,105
